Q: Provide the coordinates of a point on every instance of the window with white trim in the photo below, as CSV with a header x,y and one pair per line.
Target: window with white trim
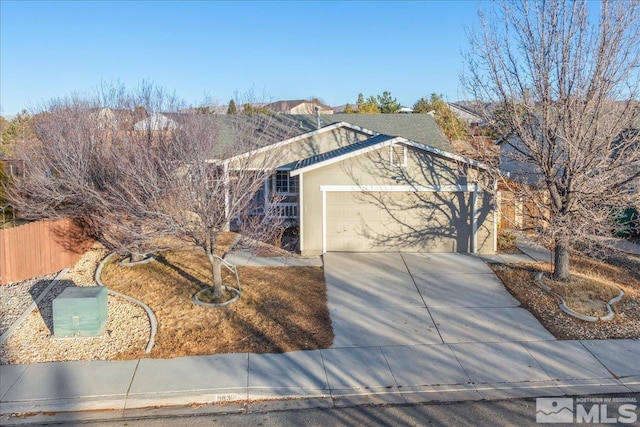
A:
x,y
285,184
398,155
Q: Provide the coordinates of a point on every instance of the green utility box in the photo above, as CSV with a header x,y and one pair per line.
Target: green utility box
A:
x,y
80,311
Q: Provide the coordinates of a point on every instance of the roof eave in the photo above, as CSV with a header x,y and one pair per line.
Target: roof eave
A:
x,y
398,139
345,156
445,154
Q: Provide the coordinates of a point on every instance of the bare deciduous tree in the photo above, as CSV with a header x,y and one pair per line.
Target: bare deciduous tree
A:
x,y
219,181
89,164
133,168
567,85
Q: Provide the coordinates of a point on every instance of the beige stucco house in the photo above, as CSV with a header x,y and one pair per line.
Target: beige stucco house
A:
x,y
352,189
299,106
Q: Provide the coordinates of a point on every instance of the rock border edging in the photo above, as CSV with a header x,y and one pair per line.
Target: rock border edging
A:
x,y
146,259
234,269
198,301
152,317
563,305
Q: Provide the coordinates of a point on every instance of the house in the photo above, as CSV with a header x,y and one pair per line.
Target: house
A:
x,y
156,122
524,195
374,183
465,112
514,164
299,106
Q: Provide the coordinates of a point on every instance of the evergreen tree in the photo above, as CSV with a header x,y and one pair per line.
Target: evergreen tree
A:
x,y
453,128
387,103
371,106
232,107
368,106
360,102
422,106
16,131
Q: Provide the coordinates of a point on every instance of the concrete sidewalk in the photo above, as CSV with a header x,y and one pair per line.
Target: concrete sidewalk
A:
x,y
530,253
624,246
322,378
248,259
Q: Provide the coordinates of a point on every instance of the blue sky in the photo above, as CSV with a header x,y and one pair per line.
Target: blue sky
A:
x,y
210,50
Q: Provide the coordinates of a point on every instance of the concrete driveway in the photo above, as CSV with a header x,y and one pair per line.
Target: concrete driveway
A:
x,y
427,325
408,299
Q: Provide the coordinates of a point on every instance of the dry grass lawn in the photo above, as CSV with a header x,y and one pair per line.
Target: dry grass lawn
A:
x,y
591,281
584,293
281,308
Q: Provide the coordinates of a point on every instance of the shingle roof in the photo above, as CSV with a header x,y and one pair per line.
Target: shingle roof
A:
x,y
421,128
318,158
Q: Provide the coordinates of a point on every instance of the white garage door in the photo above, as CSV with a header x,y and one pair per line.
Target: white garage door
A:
x,y
398,221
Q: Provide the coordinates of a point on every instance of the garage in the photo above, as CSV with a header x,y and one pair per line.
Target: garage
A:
x,y
390,194
398,220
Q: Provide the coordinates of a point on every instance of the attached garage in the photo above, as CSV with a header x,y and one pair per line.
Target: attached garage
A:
x,y
390,194
423,220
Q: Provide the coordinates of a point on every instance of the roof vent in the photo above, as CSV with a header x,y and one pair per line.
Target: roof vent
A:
x,y
319,121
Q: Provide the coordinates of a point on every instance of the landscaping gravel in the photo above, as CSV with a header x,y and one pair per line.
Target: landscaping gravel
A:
x,y
16,297
126,334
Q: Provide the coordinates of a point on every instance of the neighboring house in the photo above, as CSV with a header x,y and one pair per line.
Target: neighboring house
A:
x,y
105,118
517,170
299,106
513,164
467,115
352,186
340,109
156,122
633,133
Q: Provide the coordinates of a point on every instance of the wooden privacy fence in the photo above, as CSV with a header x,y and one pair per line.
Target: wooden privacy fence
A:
x,y
40,248
518,213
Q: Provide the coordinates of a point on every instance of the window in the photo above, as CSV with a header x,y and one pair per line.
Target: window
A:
x,y
285,184
398,155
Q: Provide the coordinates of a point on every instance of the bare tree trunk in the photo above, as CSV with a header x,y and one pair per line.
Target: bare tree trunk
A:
x,y
216,270
561,269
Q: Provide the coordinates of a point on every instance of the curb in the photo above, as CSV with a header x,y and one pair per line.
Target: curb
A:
x,y
563,305
152,317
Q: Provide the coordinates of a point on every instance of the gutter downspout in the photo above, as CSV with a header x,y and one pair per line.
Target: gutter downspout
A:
x,y
474,220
